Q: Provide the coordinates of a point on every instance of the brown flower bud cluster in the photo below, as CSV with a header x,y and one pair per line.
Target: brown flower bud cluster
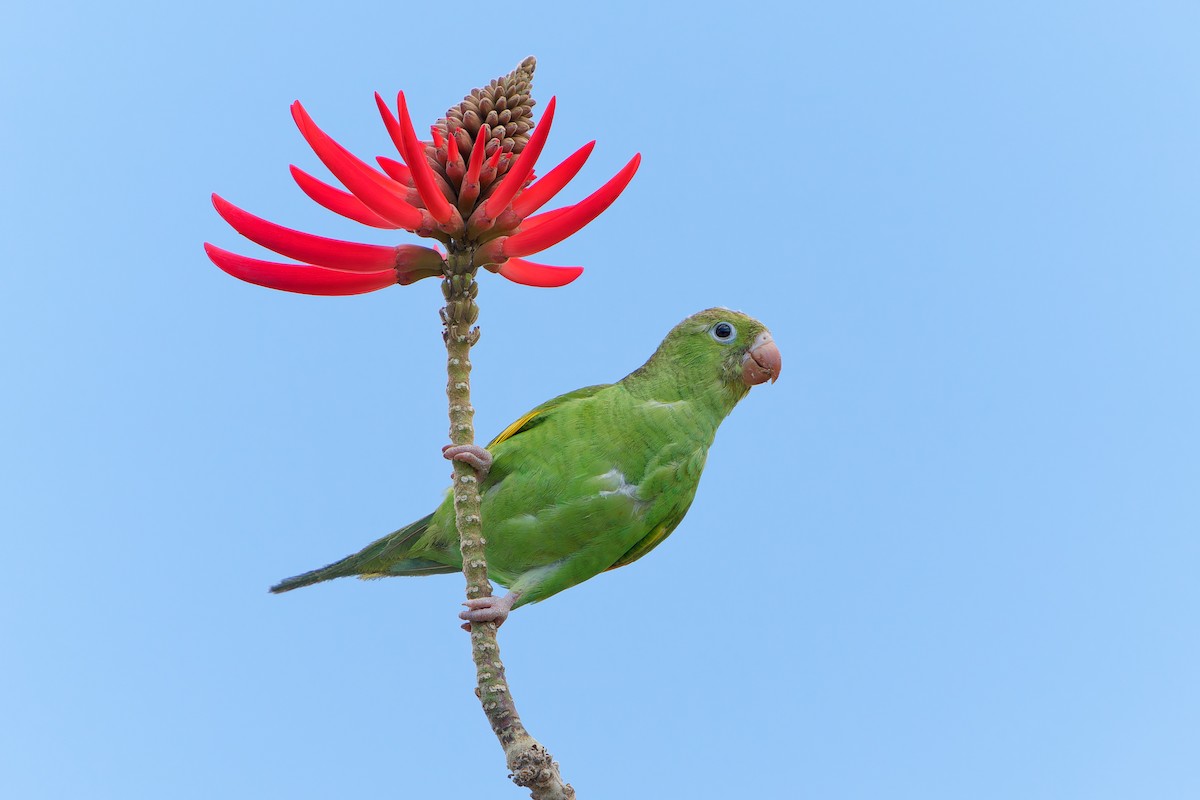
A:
x,y
505,106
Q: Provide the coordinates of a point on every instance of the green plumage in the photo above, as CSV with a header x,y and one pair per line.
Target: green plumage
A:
x,y
591,480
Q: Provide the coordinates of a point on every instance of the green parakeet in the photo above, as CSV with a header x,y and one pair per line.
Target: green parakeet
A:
x,y
591,480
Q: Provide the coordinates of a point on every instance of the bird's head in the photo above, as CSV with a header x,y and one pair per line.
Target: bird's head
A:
x,y
734,349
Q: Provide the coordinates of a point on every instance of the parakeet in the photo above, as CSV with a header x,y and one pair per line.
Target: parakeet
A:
x,y
591,480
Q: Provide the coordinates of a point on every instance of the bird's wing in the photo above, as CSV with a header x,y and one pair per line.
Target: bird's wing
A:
x,y
541,413
650,540
670,484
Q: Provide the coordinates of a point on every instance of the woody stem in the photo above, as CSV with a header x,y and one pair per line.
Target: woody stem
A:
x,y
531,764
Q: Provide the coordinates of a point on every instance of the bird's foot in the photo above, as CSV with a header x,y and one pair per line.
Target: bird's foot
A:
x,y
488,609
472,454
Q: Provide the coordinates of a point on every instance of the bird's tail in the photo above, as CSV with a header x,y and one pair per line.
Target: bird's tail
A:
x,y
381,557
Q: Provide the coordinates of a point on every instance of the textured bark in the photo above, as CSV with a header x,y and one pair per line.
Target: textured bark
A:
x,y
530,763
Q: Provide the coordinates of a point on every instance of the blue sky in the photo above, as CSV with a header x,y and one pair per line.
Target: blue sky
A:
x,y
952,553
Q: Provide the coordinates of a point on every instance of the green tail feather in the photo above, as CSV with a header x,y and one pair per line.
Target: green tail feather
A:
x,y
381,557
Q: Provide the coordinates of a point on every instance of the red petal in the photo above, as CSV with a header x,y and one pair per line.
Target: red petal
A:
x,y
541,219
346,156
455,168
413,151
298,277
468,191
540,193
395,170
339,202
490,167
359,178
477,153
520,170
332,253
553,231
393,126
518,270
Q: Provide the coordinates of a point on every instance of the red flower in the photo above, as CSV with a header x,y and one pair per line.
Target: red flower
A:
x,y
484,199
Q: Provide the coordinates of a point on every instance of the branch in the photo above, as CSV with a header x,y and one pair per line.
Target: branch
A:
x,y
530,763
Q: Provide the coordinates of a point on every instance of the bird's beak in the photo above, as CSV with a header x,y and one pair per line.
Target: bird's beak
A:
x,y
763,361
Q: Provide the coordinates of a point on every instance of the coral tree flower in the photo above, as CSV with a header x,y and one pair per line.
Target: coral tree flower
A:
x,y
472,185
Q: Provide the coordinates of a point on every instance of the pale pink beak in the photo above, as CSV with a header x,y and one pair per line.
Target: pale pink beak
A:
x,y
763,361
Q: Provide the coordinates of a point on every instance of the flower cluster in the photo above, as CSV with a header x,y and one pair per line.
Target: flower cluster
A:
x,y
472,186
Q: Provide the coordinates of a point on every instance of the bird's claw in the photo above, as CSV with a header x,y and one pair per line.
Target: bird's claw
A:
x,y
487,609
472,454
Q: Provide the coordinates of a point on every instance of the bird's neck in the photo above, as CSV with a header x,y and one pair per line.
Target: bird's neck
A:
x,y
668,385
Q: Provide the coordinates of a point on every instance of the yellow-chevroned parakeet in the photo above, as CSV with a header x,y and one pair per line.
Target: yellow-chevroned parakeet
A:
x,y
591,480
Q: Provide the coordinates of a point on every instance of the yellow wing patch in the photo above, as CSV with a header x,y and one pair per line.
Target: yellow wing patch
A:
x,y
644,545
551,405
511,430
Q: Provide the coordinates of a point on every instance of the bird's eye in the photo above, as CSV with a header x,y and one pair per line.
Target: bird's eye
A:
x,y
723,332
